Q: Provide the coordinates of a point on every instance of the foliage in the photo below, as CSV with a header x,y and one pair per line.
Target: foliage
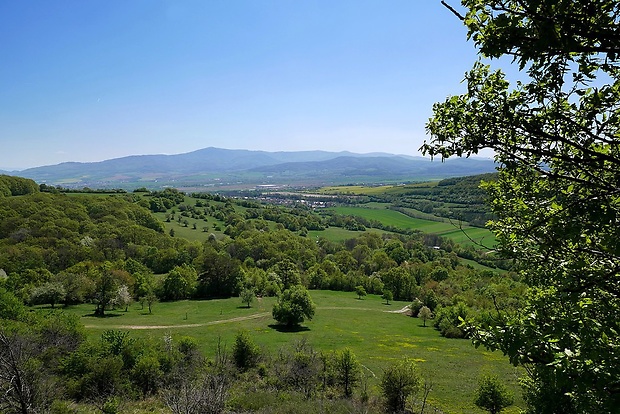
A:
x,y
14,186
555,136
247,296
347,371
387,296
492,395
424,314
400,380
360,291
293,306
50,292
180,283
245,351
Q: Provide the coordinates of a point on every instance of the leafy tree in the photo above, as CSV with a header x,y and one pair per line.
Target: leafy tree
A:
x,y
123,297
50,292
360,291
387,296
399,381
106,287
555,139
347,371
293,306
220,275
424,314
492,395
150,299
247,296
245,351
180,283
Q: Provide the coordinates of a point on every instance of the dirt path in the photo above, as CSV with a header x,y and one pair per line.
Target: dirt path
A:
x,y
405,309
189,325
231,320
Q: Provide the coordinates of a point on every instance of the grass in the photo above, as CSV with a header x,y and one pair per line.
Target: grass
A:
x,y
400,220
376,337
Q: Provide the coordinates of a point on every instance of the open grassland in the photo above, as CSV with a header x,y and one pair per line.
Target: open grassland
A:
x,y
376,334
460,234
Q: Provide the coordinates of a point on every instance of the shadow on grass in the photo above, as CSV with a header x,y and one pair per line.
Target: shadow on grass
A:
x,y
244,307
284,328
107,315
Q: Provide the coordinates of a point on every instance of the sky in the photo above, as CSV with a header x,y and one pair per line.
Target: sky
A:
x,y
92,80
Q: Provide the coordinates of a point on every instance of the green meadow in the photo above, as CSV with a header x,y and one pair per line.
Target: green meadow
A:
x,y
377,333
460,233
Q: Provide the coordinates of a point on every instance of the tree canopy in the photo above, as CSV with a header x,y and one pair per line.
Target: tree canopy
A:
x,y
555,135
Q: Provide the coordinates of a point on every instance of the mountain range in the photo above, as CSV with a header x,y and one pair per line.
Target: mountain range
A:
x,y
224,167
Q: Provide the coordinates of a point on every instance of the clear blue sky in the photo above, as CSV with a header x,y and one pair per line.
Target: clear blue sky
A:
x,y
98,79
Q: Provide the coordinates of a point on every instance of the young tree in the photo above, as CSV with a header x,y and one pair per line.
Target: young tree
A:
x,y
424,314
387,296
360,291
150,299
492,395
399,381
555,139
123,297
293,306
247,296
245,351
347,371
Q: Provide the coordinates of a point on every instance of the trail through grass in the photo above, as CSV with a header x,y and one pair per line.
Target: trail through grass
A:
x,y
377,333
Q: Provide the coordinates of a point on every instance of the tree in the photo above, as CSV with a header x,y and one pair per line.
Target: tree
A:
x,y
245,351
492,395
360,291
387,296
424,314
556,198
347,371
293,306
150,299
50,292
123,297
180,283
399,381
106,286
247,296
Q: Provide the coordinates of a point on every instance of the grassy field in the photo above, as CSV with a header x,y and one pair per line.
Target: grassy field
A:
x,y
400,220
375,333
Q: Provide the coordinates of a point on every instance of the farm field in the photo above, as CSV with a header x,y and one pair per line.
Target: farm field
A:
x,y
377,333
400,220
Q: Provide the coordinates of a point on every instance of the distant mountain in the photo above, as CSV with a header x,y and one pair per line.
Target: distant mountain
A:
x,y
216,166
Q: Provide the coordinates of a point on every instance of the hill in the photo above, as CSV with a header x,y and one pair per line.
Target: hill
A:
x,y
224,167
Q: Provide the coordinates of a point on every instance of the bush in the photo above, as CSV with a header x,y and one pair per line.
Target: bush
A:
x,y
245,351
400,380
492,395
